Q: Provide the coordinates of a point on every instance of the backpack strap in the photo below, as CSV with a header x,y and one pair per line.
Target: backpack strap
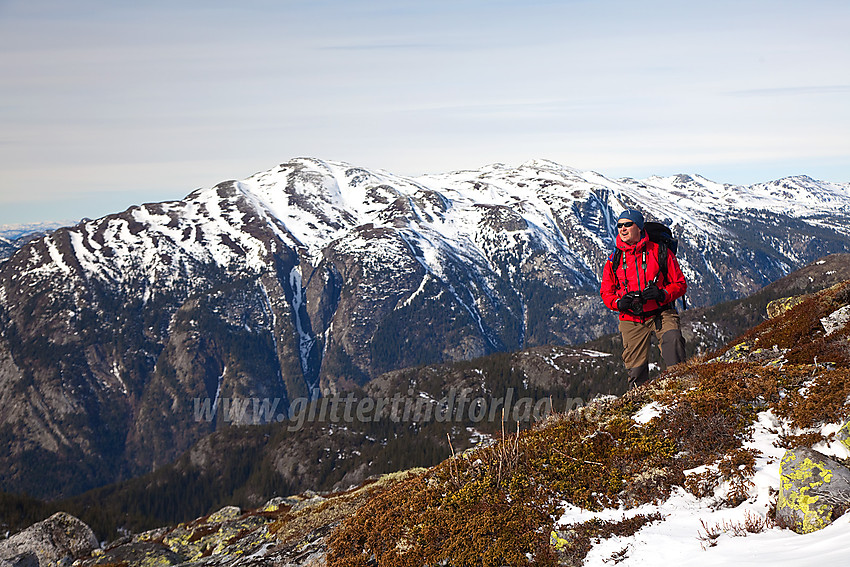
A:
x,y
662,264
615,259
662,260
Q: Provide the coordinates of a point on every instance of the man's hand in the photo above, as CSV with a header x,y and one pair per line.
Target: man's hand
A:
x,y
631,303
653,293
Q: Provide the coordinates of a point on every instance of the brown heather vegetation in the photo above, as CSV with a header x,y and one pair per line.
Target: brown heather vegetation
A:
x,y
498,505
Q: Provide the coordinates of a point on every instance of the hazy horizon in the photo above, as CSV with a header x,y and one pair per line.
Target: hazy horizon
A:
x,y
105,105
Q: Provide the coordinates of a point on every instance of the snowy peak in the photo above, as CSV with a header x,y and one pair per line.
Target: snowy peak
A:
x,y
805,195
799,196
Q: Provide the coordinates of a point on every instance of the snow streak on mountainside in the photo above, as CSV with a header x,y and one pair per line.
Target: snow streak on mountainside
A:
x,y
13,237
321,275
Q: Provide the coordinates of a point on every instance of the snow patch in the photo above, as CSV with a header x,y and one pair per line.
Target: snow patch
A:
x,y
648,412
305,340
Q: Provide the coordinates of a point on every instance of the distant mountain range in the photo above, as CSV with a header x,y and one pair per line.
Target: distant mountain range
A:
x,y
319,276
15,236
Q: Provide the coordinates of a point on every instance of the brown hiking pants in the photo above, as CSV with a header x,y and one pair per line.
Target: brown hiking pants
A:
x,y
637,340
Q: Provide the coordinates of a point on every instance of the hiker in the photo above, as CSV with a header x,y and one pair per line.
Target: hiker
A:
x,y
634,284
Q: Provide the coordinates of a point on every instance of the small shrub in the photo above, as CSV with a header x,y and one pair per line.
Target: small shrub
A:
x,y
574,541
702,485
751,524
738,467
801,440
824,401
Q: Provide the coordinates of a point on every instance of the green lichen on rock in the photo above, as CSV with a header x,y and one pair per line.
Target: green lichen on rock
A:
x,y
53,541
140,553
274,504
779,306
221,538
223,532
843,435
225,514
558,541
737,353
813,490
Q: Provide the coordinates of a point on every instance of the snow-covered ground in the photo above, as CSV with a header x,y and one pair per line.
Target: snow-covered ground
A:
x,y
682,538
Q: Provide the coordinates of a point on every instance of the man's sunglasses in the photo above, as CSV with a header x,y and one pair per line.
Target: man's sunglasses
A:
x,y
624,224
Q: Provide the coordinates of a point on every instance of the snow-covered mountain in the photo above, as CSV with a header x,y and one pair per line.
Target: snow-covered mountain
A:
x,y
320,275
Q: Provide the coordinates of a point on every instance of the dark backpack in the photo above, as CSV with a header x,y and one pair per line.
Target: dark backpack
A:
x,y
661,235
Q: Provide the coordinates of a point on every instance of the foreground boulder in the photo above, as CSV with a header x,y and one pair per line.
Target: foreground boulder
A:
x,y
814,490
843,436
59,539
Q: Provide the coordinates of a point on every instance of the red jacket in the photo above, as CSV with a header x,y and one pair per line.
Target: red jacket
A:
x,y
635,271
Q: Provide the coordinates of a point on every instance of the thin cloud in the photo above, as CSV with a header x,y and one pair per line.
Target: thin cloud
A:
x,y
794,91
379,46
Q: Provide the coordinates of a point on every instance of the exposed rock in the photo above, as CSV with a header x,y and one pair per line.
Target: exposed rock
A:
x,y
814,490
225,514
137,553
836,320
843,435
308,499
274,504
779,306
288,531
199,539
750,352
57,540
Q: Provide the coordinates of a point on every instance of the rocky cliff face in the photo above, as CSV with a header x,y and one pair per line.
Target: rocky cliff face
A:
x,y
318,276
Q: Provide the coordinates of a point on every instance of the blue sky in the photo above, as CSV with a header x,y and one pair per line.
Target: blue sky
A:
x,y
105,104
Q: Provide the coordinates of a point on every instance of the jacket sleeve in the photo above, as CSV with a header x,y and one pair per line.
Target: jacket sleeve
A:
x,y
608,291
676,286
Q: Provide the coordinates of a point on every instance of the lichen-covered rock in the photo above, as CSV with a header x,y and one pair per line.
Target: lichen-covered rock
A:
x,y
238,535
225,514
309,499
737,353
140,553
814,489
751,352
58,539
843,435
274,504
227,537
779,306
